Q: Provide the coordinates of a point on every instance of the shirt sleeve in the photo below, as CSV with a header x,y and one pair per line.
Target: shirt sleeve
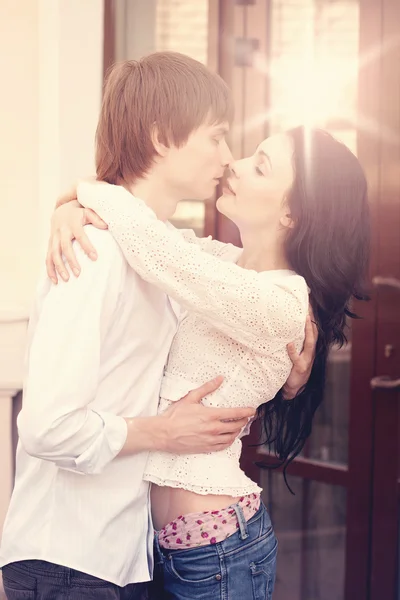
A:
x,y
244,304
222,250
57,422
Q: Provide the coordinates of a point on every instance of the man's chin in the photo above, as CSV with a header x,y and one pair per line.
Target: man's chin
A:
x,y
199,196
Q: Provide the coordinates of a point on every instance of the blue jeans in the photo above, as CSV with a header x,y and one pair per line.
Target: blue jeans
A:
x,y
242,567
40,580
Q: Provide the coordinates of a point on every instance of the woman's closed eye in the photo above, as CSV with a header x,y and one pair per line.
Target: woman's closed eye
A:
x,y
259,171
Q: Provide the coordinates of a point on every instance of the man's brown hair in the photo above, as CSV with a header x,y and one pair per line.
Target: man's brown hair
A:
x,y
167,89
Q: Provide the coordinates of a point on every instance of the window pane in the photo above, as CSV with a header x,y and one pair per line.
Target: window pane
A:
x,y
314,81
311,532
162,25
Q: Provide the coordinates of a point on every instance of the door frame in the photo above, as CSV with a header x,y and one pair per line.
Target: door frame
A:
x,y
386,461
357,476
371,476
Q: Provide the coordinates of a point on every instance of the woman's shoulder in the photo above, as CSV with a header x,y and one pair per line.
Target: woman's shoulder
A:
x,y
285,301
284,279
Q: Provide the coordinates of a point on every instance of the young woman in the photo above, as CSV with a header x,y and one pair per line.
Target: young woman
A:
x,y
300,203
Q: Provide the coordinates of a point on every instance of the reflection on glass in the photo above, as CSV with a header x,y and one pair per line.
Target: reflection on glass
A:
x,y
190,214
313,69
313,65
311,531
182,27
162,25
329,438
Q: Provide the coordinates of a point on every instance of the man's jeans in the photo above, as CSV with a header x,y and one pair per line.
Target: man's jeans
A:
x,y
40,580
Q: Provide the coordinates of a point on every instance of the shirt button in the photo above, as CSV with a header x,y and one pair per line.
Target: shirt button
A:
x,y
218,577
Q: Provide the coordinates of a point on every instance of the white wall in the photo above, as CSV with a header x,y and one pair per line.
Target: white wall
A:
x,y
71,73
19,142
51,59
51,65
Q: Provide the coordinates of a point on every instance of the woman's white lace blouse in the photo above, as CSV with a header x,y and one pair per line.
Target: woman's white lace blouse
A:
x,y
236,323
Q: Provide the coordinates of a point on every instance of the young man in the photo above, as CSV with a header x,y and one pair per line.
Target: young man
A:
x,y
97,350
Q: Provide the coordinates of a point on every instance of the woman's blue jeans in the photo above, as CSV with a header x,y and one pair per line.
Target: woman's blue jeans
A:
x,y
242,567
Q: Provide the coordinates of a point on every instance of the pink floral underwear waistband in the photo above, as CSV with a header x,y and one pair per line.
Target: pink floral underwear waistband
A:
x,y
209,527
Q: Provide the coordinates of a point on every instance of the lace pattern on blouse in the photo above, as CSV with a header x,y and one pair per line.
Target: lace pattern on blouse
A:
x,y
237,324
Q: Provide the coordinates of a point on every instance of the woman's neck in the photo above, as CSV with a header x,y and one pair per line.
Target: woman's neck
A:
x,y
263,251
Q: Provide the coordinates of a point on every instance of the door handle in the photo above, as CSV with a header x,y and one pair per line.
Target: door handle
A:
x,y
391,282
384,382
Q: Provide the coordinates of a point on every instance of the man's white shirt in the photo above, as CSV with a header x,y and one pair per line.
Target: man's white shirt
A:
x,y
96,353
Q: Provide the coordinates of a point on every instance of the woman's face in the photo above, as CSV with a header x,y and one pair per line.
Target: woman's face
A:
x,y
257,186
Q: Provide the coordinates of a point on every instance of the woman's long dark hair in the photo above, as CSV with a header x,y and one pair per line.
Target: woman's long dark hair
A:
x,y
329,246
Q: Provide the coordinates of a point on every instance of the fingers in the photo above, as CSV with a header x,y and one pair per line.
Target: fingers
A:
x,y
56,258
65,247
311,313
311,336
293,354
50,268
231,427
224,445
93,218
62,245
217,443
315,331
196,396
232,414
313,322
67,250
224,441
224,435
86,244
310,341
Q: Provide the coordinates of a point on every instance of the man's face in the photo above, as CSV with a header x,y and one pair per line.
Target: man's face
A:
x,y
193,171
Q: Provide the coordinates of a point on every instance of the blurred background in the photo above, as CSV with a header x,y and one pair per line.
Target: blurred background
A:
x,y
328,63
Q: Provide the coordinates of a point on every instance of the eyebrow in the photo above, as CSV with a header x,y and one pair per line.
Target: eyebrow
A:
x,y
265,155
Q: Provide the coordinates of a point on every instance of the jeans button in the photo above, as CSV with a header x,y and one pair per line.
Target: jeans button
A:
x,y
218,577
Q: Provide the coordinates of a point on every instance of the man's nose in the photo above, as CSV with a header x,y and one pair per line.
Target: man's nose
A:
x,y
226,154
233,167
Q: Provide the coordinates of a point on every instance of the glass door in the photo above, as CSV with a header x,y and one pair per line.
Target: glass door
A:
x,y
385,77
333,64
293,63
135,28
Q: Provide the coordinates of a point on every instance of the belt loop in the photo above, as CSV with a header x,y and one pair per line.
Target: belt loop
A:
x,y
159,557
242,521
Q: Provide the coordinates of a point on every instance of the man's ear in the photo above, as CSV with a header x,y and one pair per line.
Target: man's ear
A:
x,y
160,147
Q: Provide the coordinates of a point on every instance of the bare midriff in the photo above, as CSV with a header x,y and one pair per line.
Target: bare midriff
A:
x,y
167,504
